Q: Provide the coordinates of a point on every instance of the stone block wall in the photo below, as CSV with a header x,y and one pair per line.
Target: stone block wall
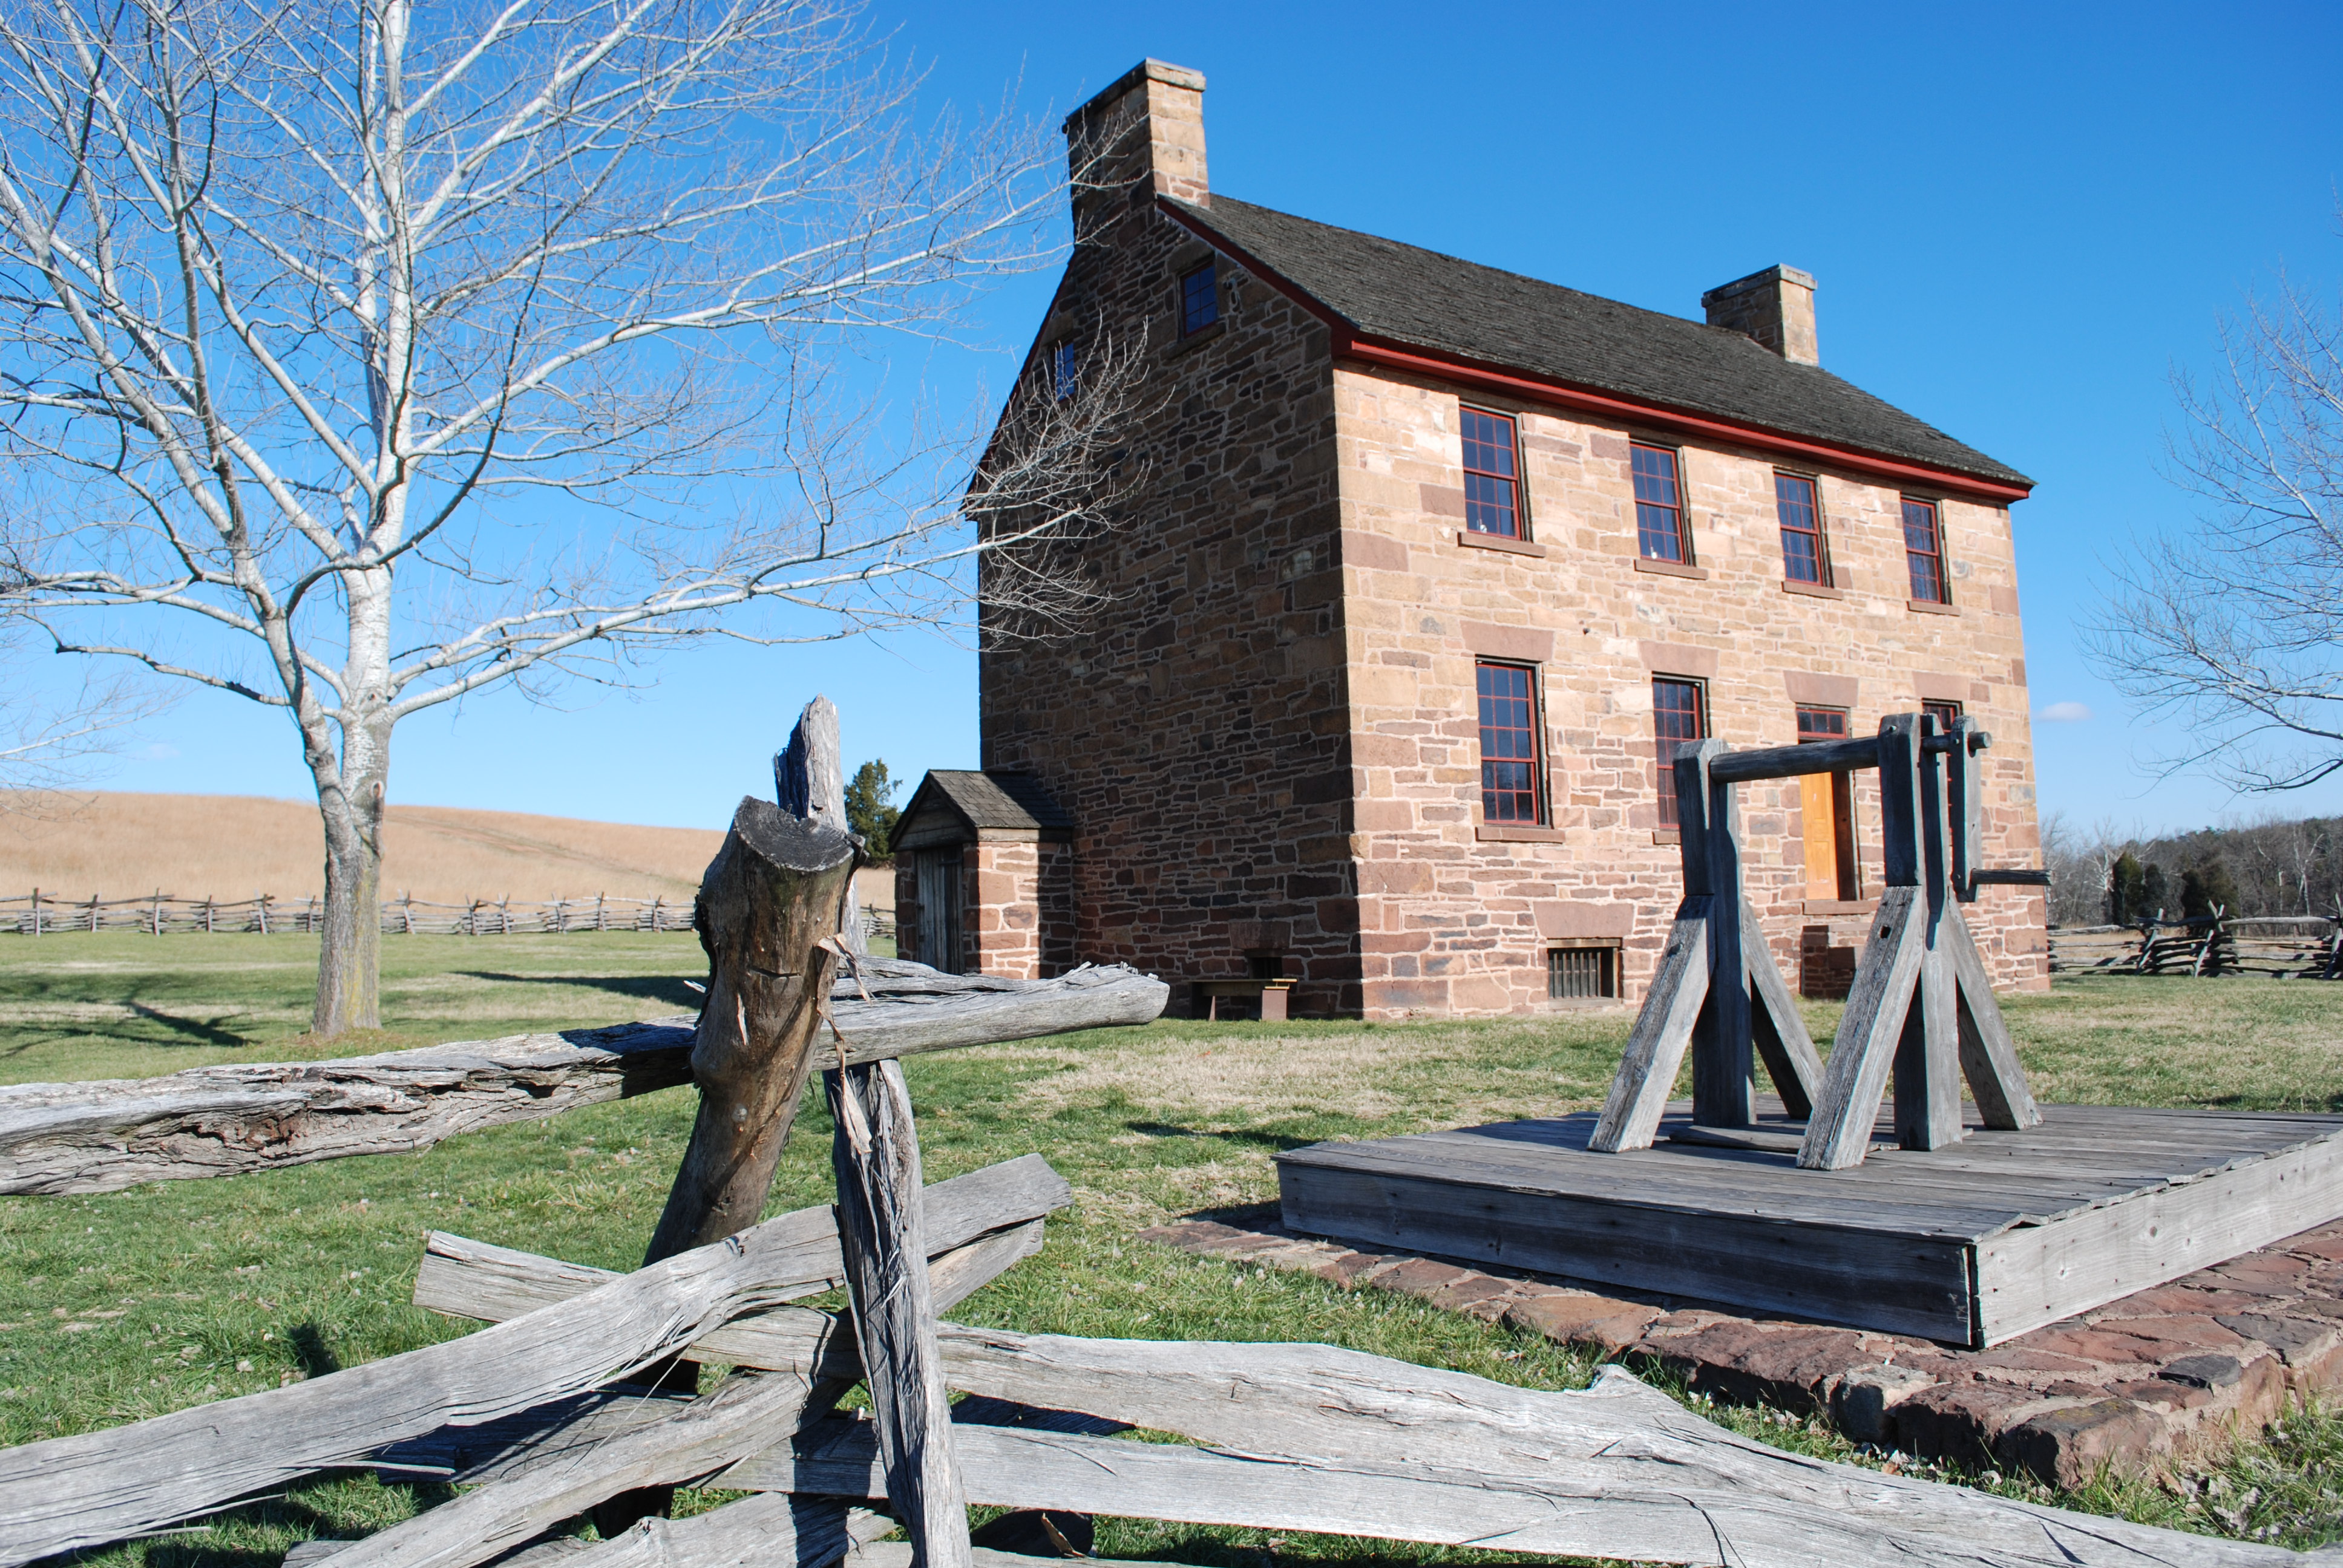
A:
x,y
1196,728
1455,915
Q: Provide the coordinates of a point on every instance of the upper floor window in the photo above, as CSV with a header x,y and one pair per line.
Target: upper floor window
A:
x,y
1065,370
1801,529
1491,503
1946,714
1923,552
1509,744
1659,506
1679,713
1199,298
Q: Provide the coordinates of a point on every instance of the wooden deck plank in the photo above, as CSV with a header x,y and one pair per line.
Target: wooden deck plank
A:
x,y
1905,1284
2095,1202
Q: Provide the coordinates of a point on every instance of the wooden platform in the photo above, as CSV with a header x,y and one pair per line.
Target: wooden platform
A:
x,y
1970,1244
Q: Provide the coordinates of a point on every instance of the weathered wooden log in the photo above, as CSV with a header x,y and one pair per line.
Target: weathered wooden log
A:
x,y
769,898
230,1119
226,1119
1647,1068
1343,1443
100,1486
717,1430
876,1157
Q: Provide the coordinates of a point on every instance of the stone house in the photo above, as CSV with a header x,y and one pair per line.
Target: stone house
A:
x,y
1431,565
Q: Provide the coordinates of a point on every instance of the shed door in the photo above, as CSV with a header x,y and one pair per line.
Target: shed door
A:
x,y
939,872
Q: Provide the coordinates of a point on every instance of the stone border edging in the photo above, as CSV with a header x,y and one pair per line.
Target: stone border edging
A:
x,y
2126,1387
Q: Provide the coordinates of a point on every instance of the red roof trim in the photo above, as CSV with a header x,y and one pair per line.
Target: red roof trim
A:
x,y
1348,344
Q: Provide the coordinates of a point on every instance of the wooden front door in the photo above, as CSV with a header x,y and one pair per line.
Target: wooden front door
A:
x,y
939,875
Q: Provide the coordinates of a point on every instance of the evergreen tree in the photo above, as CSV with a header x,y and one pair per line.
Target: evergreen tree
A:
x,y
2155,894
2206,887
2126,893
869,811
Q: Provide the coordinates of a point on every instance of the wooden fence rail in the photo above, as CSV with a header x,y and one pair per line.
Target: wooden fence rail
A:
x,y
161,914
2305,947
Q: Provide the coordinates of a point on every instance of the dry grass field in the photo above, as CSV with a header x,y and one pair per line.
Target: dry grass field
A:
x,y
120,846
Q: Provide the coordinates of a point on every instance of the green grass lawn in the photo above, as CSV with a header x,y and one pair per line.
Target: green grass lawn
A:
x,y
118,1307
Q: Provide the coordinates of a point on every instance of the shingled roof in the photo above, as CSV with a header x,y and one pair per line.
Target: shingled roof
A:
x,y
1401,294
1015,801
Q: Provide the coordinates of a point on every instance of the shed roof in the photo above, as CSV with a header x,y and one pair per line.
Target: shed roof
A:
x,y
1404,295
1002,800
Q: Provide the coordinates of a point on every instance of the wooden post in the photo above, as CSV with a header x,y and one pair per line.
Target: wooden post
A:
x,y
1927,1052
1708,828
36,911
876,1154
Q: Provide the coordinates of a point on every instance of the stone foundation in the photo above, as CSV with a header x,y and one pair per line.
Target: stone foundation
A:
x,y
2129,1388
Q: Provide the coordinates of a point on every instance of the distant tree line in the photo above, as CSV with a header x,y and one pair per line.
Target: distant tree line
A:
x,y
2103,875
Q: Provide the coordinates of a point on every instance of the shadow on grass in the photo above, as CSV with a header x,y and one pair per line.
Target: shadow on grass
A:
x,y
309,1348
1278,1141
193,1030
294,1512
672,988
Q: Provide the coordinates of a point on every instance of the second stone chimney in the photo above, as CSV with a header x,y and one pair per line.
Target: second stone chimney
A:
x,y
1775,307
1144,134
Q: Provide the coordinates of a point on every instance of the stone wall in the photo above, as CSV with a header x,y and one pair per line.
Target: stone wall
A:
x,y
1196,729
1456,916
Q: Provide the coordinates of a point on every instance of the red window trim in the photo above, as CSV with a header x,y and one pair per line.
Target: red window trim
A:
x,y
1683,511
1664,764
1935,557
1821,535
1520,510
1536,758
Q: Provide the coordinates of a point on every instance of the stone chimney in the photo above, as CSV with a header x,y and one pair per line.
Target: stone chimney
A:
x,y
1775,307
1143,134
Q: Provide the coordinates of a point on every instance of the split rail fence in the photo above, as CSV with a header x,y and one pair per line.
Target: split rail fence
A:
x,y
2282,947
159,914
581,1397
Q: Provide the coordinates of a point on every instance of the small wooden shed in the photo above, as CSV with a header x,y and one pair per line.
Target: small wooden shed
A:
x,y
984,875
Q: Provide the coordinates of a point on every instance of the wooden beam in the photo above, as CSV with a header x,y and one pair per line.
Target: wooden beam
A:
x,y
1790,761
1775,1027
1647,1068
1927,1055
876,1157
1311,1437
769,897
1988,1057
237,1118
742,1415
1709,822
1855,1079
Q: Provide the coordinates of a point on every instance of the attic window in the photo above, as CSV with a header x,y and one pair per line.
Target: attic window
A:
x,y
1065,370
1491,499
1659,506
1199,298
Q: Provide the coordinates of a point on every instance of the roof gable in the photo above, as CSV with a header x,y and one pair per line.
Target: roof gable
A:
x,y
1404,295
978,802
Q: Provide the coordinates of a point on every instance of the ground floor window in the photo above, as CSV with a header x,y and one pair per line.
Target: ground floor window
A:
x,y
1946,714
1679,713
1510,791
1590,970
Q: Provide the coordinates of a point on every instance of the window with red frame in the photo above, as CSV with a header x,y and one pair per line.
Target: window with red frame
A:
x,y
1801,529
1946,714
1679,713
1509,745
1659,506
1923,552
1491,495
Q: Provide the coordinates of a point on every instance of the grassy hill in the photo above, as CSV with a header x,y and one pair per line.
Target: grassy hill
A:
x,y
232,846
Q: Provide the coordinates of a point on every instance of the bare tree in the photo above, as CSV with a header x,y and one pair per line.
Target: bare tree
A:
x,y
398,351
2238,628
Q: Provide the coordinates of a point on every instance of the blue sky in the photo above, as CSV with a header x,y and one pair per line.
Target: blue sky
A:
x,y
2021,221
